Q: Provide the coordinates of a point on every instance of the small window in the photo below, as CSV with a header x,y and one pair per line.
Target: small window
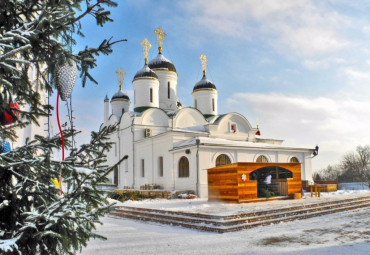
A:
x,y
262,159
126,165
142,168
233,128
168,90
115,181
195,104
151,95
115,149
222,160
183,167
294,160
160,166
213,104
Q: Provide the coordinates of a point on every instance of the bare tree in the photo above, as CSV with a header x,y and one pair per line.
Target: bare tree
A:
x,y
357,164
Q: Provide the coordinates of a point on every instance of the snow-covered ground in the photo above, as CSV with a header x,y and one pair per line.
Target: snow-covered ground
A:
x,y
339,233
214,208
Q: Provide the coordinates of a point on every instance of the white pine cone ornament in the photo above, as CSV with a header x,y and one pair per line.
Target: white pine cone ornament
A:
x,y
66,77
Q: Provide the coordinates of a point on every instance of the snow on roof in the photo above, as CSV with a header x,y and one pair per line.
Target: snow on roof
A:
x,y
196,129
231,143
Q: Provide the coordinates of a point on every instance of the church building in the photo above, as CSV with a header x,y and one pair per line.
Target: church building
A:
x,y
165,144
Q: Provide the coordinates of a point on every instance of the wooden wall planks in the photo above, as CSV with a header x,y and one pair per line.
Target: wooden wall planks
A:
x,y
225,183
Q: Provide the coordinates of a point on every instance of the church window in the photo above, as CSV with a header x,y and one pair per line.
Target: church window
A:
x,y
233,128
160,166
262,159
195,104
222,160
169,90
213,104
142,168
115,181
294,160
151,95
183,167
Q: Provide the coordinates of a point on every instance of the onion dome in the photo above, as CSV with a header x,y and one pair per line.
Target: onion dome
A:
x,y
204,83
145,72
161,63
120,96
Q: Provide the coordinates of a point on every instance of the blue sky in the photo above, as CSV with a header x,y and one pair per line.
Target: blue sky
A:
x,y
298,69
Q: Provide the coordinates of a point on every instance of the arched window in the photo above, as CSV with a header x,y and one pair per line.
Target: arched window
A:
x,y
183,167
294,160
262,159
222,160
213,104
151,95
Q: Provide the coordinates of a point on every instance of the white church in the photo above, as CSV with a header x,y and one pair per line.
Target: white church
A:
x,y
163,143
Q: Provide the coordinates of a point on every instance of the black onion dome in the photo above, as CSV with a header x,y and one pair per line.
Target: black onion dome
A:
x,y
120,95
145,72
160,62
204,83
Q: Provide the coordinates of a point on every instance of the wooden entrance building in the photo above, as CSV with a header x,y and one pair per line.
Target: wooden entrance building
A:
x,y
237,182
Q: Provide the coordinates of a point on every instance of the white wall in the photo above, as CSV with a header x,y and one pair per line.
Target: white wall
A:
x,y
164,77
142,88
203,100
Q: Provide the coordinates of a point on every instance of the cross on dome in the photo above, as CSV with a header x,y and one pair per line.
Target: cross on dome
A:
x,y
160,37
146,46
203,60
120,74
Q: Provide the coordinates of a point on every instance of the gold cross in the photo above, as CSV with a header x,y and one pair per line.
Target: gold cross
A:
x,y
203,60
120,74
146,46
160,37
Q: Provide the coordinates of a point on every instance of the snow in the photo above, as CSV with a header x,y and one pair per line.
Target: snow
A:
x,y
223,209
224,142
340,233
159,59
83,170
8,245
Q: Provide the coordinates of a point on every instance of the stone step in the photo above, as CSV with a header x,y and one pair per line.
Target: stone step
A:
x,y
242,221
243,215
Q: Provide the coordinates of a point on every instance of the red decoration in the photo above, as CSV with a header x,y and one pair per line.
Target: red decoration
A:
x,y
258,132
7,118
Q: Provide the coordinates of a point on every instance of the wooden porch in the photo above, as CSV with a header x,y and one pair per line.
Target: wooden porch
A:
x,y
232,183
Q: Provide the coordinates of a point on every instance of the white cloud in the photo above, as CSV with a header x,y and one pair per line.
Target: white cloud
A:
x,y
359,76
294,26
337,125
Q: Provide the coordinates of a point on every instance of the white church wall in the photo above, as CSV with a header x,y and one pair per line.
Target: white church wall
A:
x,y
161,147
142,88
188,117
165,77
231,126
206,101
126,149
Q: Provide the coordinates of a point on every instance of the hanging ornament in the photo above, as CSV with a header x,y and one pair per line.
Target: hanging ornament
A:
x,y
8,117
66,77
5,147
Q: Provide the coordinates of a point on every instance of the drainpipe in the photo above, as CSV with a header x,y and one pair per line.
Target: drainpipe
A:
x,y
119,155
133,152
197,141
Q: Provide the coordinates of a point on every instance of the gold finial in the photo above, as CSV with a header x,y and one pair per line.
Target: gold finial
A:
x,y
160,37
120,74
146,46
203,60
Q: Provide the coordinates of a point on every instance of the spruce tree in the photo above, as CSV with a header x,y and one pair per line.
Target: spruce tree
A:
x,y
35,217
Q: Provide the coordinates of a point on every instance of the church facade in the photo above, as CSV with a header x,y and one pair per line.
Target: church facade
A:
x,y
163,143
